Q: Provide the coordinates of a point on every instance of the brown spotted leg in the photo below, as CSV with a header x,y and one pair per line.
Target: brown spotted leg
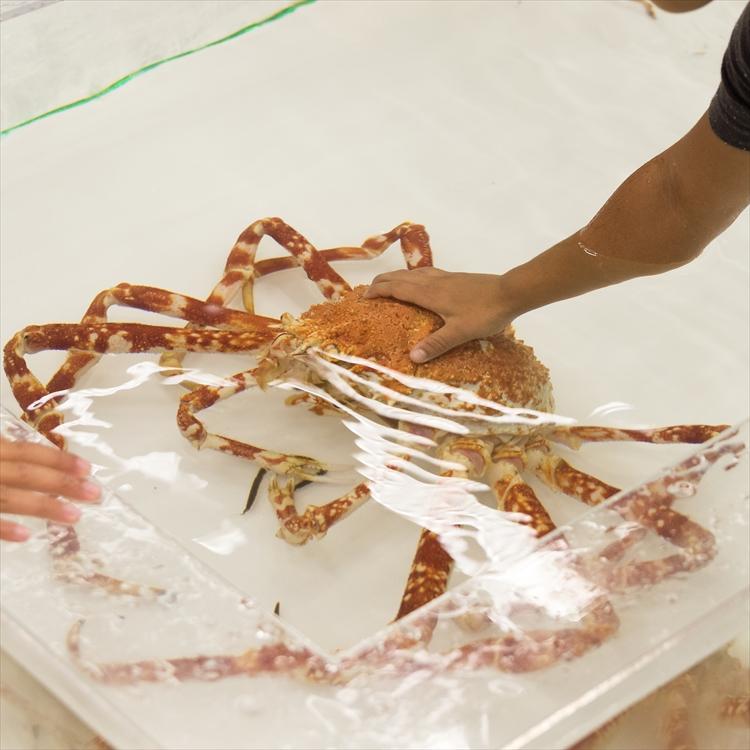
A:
x,y
123,338
513,495
101,339
71,567
575,436
432,565
240,269
315,521
299,467
274,658
534,649
428,575
415,246
649,507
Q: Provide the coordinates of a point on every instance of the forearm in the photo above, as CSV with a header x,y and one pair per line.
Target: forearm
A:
x,y
661,217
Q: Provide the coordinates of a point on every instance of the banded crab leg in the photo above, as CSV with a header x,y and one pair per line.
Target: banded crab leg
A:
x,y
514,495
298,528
87,340
510,653
574,436
240,269
415,246
276,658
202,397
71,567
432,565
648,506
535,649
428,575
101,339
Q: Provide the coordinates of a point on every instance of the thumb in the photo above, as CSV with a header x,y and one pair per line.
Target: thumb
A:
x,y
444,339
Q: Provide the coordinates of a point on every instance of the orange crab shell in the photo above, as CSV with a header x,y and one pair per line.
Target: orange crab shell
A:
x,y
500,368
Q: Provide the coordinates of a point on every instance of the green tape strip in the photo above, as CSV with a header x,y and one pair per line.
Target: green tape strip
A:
x,y
125,79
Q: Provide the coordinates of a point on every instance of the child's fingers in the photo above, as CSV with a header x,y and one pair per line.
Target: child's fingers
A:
x,y
43,455
39,478
27,503
13,532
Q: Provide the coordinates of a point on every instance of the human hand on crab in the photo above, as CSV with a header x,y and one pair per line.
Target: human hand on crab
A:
x,y
34,479
472,305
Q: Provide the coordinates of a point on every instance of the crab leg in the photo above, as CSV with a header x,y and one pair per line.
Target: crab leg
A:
x,y
432,565
537,649
70,567
575,436
415,246
240,269
316,520
514,495
277,657
103,338
107,338
151,299
301,467
649,507
145,298
428,575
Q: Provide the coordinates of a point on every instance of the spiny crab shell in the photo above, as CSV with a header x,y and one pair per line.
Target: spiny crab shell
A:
x,y
500,368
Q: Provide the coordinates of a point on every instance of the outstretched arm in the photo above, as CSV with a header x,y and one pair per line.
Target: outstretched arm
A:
x,y
660,218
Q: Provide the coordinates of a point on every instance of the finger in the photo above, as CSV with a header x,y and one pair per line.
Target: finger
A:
x,y
389,276
439,342
27,476
411,274
44,455
13,532
379,283
39,505
405,292
26,503
414,277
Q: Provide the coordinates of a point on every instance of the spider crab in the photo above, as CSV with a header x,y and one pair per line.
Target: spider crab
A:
x,y
500,369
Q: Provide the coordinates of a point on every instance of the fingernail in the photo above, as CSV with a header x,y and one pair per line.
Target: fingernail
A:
x,y
19,534
71,513
83,467
91,491
418,355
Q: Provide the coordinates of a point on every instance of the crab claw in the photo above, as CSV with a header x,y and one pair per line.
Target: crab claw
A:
x,y
294,528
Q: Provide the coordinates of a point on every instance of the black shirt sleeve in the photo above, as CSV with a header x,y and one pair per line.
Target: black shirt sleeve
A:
x,y
729,112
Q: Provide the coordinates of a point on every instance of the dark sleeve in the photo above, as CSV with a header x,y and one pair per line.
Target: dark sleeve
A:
x,y
729,112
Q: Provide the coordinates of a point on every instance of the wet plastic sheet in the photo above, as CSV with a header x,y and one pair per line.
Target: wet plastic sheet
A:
x,y
369,695
450,120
